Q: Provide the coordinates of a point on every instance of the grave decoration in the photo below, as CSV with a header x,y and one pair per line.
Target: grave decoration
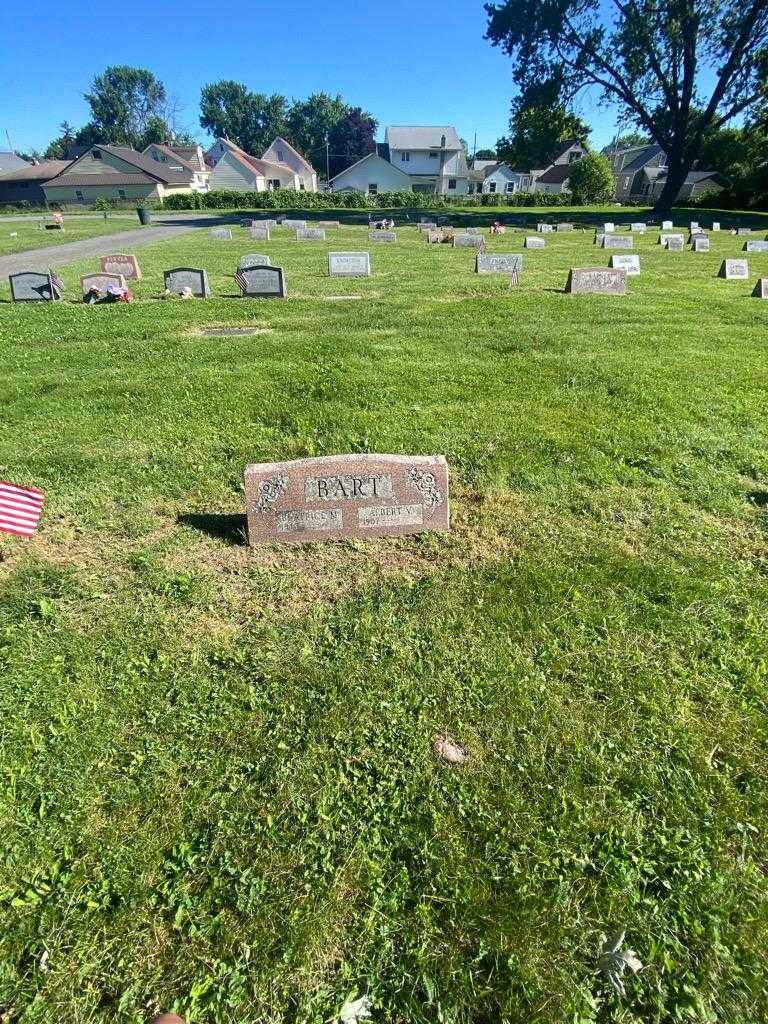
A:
x,y
337,496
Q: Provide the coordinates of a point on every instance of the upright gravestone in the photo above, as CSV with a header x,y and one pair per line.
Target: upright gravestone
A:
x,y
533,242
715,225
599,236
694,226
221,234
434,237
382,236
264,222
253,259
639,226
674,243
664,240
667,225
310,234
608,227
545,228
756,246
121,263
196,280
294,225
618,242
261,282
349,264
700,243
761,288
259,234
629,263
596,281
32,286
468,241
329,224
734,270
564,226
744,231
339,496
499,262
100,282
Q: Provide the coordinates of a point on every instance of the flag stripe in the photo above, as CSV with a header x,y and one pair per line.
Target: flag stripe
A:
x,y
8,512
16,499
30,492
20,509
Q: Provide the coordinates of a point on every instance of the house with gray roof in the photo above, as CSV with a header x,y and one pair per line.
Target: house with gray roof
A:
x,y
423,158
182,158
280,166
24,185
641,173
10,162
115,173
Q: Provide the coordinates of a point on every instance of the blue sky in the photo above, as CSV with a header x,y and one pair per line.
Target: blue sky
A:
x,y
416,62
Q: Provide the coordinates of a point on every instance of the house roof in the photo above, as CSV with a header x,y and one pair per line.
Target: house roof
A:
x,y
191,154
421,137
372,156
84,180
564,146
252,163
145,163
695,176
280,141
10,162
556,174
643,156
172,154
147,169
36,172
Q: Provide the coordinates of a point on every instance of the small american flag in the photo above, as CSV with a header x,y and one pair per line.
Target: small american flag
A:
x,y
241,280
20,509
56,281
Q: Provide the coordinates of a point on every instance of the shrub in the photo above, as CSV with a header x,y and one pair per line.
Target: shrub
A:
x,y
102,204
591,180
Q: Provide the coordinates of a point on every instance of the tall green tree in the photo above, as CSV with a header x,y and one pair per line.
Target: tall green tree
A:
x,y
310,120
538,124
350,139
591,179
57,148
485,154
125,102
249,119
675,69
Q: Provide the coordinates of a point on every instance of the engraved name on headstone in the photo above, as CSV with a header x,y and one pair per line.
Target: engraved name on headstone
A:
x,y
499,262
263,282
196,280
756,246
349,264
469,241
382,236
630,263
700,243
32,286
337,496
310,234
100,282
253,259
618,242
734,270
545,228
596,281
121,263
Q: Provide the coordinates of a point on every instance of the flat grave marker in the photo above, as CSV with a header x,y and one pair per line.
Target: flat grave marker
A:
x,y
33,286
339,496
349,264
196,280
630,263
499,262
121,263
596,281
262,282
734,270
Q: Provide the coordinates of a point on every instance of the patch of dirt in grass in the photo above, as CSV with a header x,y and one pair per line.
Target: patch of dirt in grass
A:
x,y
201,330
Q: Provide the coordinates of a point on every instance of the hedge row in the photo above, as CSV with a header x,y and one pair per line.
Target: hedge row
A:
x,y
288,199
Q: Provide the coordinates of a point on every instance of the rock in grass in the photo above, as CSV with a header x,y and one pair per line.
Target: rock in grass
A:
x,y
449,751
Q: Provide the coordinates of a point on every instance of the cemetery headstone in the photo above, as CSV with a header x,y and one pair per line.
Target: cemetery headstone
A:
x,y
471,241
597,281
329,224
664,240
608,227
499,262
631,264
221,234
382,236
253,259
337,496
349,264
310,234
700,243
761,288
261,282
744,231
599,236
638,226
294,225
434,237
100,282
674,243
125,265
179,278
694,226
545,228
715,225
734,270
756,246
618,242
667,225
259,234
32,286
264,222
563,226
533,242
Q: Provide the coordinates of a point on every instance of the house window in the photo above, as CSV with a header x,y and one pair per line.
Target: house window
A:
x,y
433,156
273,183
301,187
573,157
491,186
662,159
451,183
510,186
373,188
405,157
97,154
280,155
78,195
121,193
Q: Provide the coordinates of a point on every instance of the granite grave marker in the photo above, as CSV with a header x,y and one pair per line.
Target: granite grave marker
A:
x,y
32,286
630,263
262,282
597,281
734,270
499,262
196,280
121,263
349,264
100,282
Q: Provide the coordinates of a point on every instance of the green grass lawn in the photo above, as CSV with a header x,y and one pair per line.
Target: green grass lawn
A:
x,y
217,785
18,236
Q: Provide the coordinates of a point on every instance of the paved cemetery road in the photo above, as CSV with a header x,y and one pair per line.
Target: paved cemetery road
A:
x,y
103,245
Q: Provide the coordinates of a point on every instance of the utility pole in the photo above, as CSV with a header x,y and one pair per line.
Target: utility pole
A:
x,y
327,159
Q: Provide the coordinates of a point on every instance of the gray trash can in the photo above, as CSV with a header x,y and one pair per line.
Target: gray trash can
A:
x,y
144,215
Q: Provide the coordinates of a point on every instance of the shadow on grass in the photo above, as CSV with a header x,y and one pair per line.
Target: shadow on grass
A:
x,y
230,528
758,498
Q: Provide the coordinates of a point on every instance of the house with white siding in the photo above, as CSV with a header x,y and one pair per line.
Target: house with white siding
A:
x,y
488,177
416,158
115,173
182,158
236,170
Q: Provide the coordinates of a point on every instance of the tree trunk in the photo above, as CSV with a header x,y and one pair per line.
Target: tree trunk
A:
x,y
678,166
